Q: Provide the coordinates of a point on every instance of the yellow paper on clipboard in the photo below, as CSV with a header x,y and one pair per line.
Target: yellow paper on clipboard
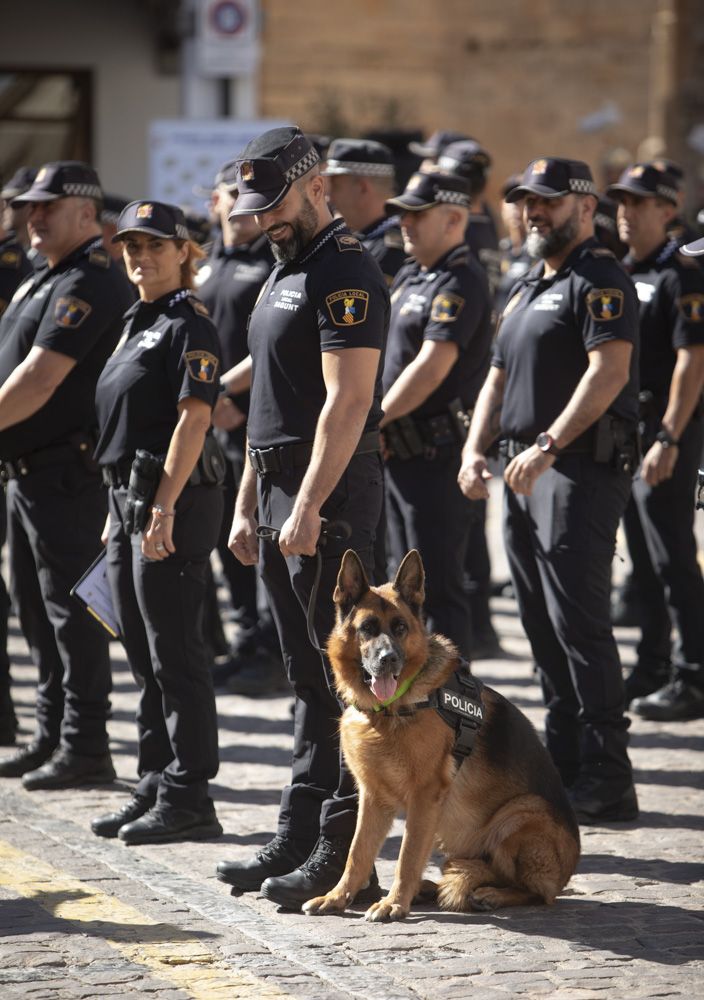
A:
x,y
93,591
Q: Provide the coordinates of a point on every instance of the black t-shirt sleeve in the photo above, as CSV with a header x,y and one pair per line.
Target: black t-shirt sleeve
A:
x,y
194,357
685,288
352,302
79,311
455,312
606,304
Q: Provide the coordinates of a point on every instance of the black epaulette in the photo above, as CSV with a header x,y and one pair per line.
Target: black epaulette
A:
x,y
99,257
599,252
459,261
197,306
10,259
347,242
393,239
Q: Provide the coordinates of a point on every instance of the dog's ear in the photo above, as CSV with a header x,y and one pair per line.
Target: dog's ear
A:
x,y
410,581
352,583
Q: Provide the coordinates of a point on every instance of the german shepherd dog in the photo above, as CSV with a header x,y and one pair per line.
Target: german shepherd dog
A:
x,y
501,818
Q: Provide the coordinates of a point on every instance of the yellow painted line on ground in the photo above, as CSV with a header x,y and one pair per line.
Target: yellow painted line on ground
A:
x,y
172,953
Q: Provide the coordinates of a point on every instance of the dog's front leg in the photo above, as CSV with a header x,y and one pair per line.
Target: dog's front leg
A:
x,y
373,824
422,818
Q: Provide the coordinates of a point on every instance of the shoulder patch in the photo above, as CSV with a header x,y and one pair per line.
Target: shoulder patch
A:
x,y
346,242
446,307
600,252
197,306
99,257
70,311
202,366
348,307
393,238
692,307
605,304
10,258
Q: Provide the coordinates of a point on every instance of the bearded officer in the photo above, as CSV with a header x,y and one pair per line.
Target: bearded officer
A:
x,y
316,337
562,394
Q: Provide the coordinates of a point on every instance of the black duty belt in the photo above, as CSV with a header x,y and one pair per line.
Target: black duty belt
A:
x,y
18,468
291,456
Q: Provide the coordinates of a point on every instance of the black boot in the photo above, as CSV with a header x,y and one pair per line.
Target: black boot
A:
x,y
71,770
8,719
279,857
596,800
110,824
675,702
26,759
317,875
164,824
644,680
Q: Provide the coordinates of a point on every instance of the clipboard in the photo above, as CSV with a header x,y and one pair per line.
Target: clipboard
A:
x,y
93,592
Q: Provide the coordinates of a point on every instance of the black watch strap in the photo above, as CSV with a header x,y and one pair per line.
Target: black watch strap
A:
x,y
666,439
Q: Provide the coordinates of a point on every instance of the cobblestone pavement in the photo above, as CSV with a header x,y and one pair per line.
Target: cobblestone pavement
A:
x,y
82,917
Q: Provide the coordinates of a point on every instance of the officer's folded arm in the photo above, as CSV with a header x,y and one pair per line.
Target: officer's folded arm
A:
x,y
184,450
483,431
349,377
32,384
419,379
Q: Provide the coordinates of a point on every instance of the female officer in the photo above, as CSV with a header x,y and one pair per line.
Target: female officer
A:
x,y
155,395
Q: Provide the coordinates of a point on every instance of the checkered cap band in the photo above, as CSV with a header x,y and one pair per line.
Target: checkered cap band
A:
x,y
453,197
667,192
182,232
579,185
365,169
82,191
307,161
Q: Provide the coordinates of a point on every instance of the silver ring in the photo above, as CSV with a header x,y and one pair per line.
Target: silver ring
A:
x,y
158,546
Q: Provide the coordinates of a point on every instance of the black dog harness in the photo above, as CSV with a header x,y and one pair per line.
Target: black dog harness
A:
x,y
458,703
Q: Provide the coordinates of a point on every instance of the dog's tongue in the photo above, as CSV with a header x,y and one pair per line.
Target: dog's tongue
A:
x,y
383,687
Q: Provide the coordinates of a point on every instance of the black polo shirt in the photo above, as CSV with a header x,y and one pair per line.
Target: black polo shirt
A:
x,y
168,351
447,302
229,283
514,264
483,240
14,268
384,242
332,297
548,327
75,309
670,289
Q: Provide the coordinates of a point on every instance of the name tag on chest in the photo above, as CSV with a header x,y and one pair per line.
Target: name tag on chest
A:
x,y
288,299
549,302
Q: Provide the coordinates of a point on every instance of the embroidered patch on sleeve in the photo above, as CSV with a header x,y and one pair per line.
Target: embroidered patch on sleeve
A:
x,y
202,365
348,307
605,304
70,311
692,307
446,307
10,258
198,306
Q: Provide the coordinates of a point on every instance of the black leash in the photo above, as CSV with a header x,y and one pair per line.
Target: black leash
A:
x,y
338,531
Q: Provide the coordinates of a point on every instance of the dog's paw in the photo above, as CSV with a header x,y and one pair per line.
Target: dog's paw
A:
x,y
326,904
386,910
485,898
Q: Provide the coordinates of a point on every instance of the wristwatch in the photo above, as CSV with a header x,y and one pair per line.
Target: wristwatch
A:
x,y
666,439
546,443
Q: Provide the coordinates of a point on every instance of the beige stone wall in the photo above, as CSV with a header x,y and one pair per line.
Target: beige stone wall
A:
x,y
518,76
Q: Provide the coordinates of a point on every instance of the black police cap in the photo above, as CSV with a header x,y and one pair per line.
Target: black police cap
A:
x,y
153,217
647,180
20,182
268,167
553,177
63,179
362,157
437,142
425,190
464,158
113,205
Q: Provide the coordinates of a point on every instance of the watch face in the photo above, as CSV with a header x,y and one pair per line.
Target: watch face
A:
x,y
544,441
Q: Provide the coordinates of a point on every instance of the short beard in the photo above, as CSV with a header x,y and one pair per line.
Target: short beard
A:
x,y
304,227
555,241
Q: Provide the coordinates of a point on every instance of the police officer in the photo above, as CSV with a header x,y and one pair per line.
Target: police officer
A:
x,y
562,393
316,337
16,214
670,290
467,158
14,268
438,355
361,178
229,283
430,149
154,399
515,259
55,337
